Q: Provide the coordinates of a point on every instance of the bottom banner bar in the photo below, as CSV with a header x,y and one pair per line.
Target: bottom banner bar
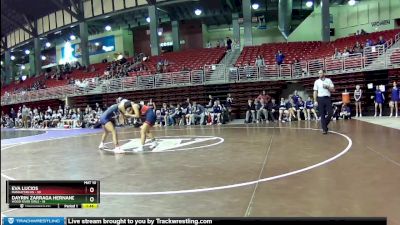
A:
x,y
194,220
220,220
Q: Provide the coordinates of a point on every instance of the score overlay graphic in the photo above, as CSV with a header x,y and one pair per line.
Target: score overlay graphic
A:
x,y
53,194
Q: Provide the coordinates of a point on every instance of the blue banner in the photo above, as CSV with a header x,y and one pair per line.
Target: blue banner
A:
x,y
33,220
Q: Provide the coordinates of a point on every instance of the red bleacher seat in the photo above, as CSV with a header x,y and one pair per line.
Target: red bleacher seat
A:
x,y
307,50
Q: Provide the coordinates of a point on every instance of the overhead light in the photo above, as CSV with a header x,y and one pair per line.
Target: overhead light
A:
x,y
309,4
12,57
120,57
97,43
1,62
148,19
255,6
159,33
197,12
24,77
22,67
108,28
27,52
72,37
48,44
352,2
43,57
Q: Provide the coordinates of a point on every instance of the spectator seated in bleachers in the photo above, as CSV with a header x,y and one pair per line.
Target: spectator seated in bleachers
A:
x,y
337,54
369,43
380,41
357,48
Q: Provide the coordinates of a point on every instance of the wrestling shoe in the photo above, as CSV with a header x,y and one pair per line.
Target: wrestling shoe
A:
x,y
138,149
101,146
118,150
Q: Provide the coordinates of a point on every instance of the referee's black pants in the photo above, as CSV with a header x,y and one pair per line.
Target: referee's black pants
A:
x,y
325,111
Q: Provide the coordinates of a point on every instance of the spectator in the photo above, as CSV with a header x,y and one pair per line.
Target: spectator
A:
x,y
357,48
198,112
381,41
47,119
264,96
250,111
279,57
337,54
210,101
261,109
369,43
346,52
229,102
13,115
208,44
300,108
216,113
295,97
310,109
272,109
164,113
345,113
228,43
178,115
283,110
25,114
172,114
260,61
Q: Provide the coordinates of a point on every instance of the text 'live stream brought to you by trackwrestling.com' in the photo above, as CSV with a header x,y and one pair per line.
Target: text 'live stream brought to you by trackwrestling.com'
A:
x,y
193,221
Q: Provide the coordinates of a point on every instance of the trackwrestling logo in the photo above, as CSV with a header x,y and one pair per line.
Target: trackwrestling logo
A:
x,y
10,220
168,144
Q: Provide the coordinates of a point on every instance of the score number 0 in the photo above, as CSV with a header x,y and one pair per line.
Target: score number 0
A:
x,y
91,190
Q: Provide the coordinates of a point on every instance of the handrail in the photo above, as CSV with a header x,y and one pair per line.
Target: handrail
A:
x,y
217,73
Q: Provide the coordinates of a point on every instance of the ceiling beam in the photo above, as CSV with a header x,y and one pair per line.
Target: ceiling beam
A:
x,y
3,17
229,3
61,5
76,7
33,28
3,45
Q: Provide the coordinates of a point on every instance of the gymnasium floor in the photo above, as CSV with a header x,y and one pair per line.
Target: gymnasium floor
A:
x,y
262,170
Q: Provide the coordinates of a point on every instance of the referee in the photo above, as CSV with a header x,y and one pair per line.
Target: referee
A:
x,y
322,98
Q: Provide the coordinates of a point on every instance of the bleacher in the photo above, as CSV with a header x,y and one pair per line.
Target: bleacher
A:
x,y
192,59
307,50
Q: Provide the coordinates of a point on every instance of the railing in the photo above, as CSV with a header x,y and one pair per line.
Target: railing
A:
x,y
374,56
393,58
219,73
